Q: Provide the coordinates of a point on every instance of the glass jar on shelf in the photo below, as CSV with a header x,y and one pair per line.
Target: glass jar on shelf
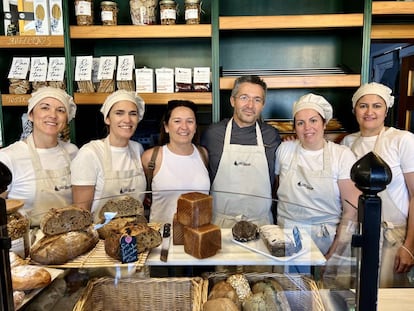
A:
x,y
84,12
109,13
18,227
192,11
168,12
143,12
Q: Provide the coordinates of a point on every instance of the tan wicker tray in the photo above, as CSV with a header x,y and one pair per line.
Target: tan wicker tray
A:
x,y
152,294
301,291
97,257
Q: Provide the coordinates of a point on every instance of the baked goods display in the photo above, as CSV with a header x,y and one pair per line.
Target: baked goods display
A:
x,y
267,295
277,242
146,238
68,233
192,225
123,206
116,224
28,277
244,231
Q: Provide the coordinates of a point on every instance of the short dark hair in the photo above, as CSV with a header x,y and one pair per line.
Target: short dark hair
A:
x,y
172,104
250,79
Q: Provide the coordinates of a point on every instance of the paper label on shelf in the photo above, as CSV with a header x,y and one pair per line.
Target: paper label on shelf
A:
x,y
38,69
202,75
107,65
56,17
164,80
183,75
19,68
126,66
144,80
41,16
56,69
83,68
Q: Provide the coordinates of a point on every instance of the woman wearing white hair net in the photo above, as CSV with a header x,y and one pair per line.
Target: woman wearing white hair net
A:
x,y
111,168
371,103
40,164
313,178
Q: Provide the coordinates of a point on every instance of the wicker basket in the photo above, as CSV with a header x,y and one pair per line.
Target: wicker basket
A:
x,y
301,291
152,294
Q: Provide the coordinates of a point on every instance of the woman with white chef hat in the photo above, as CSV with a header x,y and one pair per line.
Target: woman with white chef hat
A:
x,y
371,103
111,168
314,190
40,163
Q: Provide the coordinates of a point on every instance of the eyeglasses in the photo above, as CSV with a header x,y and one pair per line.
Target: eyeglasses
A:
x,y
246,98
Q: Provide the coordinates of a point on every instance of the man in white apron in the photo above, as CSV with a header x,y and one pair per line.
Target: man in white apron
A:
x,y
241,158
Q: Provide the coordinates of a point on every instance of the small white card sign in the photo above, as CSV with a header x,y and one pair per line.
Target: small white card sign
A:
x,y
83,68
126,66
38,69
107,66
19,68
56,69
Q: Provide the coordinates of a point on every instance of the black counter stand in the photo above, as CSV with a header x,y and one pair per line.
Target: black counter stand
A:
x,y
371,175
6,297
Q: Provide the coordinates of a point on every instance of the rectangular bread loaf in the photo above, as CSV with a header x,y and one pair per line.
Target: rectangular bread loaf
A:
x,y
178,231
195,209
202,242
276,241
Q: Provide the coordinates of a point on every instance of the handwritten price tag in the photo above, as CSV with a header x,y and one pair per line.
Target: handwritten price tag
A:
x,y
129,251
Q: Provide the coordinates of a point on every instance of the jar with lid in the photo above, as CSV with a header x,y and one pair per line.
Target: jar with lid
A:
x,y
143,12
192,11
109,13
18,228
168,12
84,12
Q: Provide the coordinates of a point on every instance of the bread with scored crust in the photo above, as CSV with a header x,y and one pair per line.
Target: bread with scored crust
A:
x,y
123,206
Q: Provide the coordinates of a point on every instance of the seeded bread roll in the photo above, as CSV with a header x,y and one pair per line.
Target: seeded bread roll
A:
x,y
117,224
60,248
147,238
61,220
124,206
27,277
268,292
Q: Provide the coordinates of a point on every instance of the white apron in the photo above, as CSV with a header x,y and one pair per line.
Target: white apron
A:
x,y
306,200
53,187
393,231
130,182
241,188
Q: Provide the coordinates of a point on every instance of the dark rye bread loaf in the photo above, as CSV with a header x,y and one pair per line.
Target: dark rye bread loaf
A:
x,y
245,231
60,248
123,206
276,241
147,239
61,220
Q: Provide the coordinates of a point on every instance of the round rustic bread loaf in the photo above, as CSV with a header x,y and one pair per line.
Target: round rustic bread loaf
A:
x,y
27,277
117,224
244,231
224,289
220,304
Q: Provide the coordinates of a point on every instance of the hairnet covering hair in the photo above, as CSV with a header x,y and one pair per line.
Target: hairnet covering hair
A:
x,y
56,93
123,95
315,102
376,89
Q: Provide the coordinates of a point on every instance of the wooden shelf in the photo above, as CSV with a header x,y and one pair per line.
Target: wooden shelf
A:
x,y
31,42
392,8
392,32
288,82
291,21
138,31
199,98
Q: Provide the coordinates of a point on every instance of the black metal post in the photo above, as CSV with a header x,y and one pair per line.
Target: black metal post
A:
x,y
371,175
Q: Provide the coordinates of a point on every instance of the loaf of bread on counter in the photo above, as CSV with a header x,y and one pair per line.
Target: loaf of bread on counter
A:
x,y
178,231
244,231
123,206
118,224
194,209
202,242
69,218
276,241
60,248
268,294
27,277
147,238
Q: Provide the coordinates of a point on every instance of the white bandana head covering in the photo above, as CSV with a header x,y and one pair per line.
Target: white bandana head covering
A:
x,y
55,93
123,95
315,102
376,89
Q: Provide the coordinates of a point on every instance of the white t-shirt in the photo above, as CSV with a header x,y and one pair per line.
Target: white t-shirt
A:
x,y
18,159
87,167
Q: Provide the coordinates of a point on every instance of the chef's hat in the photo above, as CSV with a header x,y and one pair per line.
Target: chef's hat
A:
x,y
315,102
123,95
55,93
376,89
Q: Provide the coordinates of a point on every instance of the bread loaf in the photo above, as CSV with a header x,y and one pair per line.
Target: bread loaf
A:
x,y
147,238
220,304
16,260
178,231
194,209
224,289
276,241
60,248
117,224
244,231
27,277
272,293
202,242
240,283
123,206
69,218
